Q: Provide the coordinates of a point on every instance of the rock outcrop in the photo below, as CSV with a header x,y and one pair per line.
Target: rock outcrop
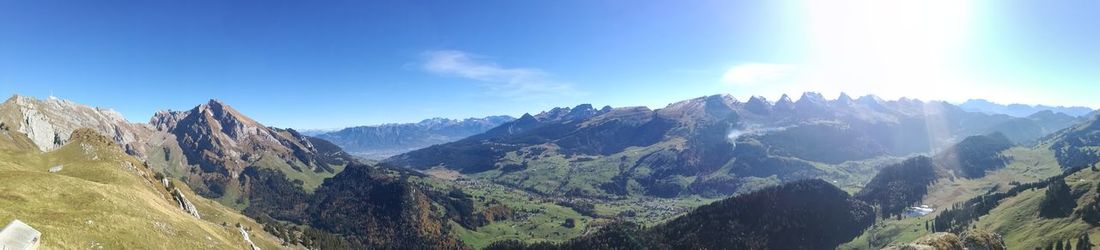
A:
x,y
185,204
978,239
971,240
222,142
247,239
49,123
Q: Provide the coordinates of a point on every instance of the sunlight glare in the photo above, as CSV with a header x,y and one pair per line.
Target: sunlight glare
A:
x,y
892,48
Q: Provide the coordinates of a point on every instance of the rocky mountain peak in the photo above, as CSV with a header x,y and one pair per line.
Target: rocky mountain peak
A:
x,y
49,123
758,105
784,104
579,112
844,99
811,98
222,142
582,111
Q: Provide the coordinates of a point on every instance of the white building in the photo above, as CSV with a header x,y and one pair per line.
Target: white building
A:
x,y
922,210
19,236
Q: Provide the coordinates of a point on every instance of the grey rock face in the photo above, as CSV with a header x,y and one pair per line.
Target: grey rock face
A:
x,y
49,123
185,204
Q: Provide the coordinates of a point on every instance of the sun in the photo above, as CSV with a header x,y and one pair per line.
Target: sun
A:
x,y
891,48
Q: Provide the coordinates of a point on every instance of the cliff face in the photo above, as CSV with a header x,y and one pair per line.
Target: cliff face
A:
x,y
222,142
49,123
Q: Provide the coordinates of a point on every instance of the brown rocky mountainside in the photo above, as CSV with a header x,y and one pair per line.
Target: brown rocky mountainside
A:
x,y
222,142
207,146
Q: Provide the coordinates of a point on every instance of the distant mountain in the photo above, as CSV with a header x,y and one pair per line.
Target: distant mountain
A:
x,y
1078,145
1031,128
1019,110
315,132
713,145
377,142
807,214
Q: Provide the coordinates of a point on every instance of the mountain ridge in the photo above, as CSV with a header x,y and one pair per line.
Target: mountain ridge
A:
x,y
380,141
1020,110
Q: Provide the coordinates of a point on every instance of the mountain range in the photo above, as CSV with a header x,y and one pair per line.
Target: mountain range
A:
x,y
708,172
1020,110
381,141
713,145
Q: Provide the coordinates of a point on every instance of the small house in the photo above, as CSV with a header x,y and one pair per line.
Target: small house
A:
x,y
19,236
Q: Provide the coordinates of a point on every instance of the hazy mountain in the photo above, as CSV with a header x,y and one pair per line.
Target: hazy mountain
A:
x,y
1077,146
706,145
902,185
1035,196
1031,128
377,142
1019,110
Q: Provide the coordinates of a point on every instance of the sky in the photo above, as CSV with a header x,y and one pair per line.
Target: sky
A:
x,y
332,64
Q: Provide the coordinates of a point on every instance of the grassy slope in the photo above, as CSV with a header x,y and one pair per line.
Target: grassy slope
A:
x,y
539,218
1027,165
99,201
173,163
551,173
1017,218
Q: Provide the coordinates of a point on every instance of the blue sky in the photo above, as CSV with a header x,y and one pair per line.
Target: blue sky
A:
x,y
328,64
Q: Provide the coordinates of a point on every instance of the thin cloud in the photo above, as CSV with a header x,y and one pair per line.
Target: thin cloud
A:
x,y
523,83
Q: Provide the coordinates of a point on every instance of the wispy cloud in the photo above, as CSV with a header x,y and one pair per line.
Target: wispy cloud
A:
x,y
523,83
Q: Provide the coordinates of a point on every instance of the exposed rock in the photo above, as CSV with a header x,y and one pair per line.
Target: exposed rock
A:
x,y
222,142
185,204
983,240
247,239
971,240
49,123
758,105
784,104
937,241
844,100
